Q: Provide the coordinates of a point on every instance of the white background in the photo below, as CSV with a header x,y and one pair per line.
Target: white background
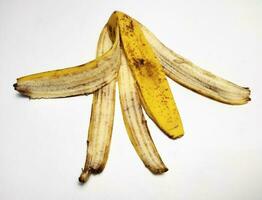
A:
x,y
43,142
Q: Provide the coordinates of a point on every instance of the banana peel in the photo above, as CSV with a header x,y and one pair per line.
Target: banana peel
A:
x,y
191,76
128,53
135,122
101,120
72,81
153,87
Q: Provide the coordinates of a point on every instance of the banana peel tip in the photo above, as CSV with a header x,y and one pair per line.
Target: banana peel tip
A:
x,y
84,176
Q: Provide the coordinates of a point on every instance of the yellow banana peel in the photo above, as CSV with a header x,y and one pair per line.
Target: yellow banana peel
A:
x,y
129,53
153,87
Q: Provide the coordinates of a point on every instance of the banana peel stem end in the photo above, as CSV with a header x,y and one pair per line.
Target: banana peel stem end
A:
x,y
158,171
84,176
15,85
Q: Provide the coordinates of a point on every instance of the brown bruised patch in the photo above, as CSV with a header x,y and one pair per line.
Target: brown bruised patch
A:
x,y
126,16
138,62
110,28
111,31
147,66
130,26
24,90
97,170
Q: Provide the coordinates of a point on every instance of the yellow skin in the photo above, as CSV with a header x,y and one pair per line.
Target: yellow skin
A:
x,y
154,90
191,76
78,80
142,80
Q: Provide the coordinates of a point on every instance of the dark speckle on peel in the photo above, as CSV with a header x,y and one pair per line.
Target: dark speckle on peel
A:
x,y
130,26
126,16
138,62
